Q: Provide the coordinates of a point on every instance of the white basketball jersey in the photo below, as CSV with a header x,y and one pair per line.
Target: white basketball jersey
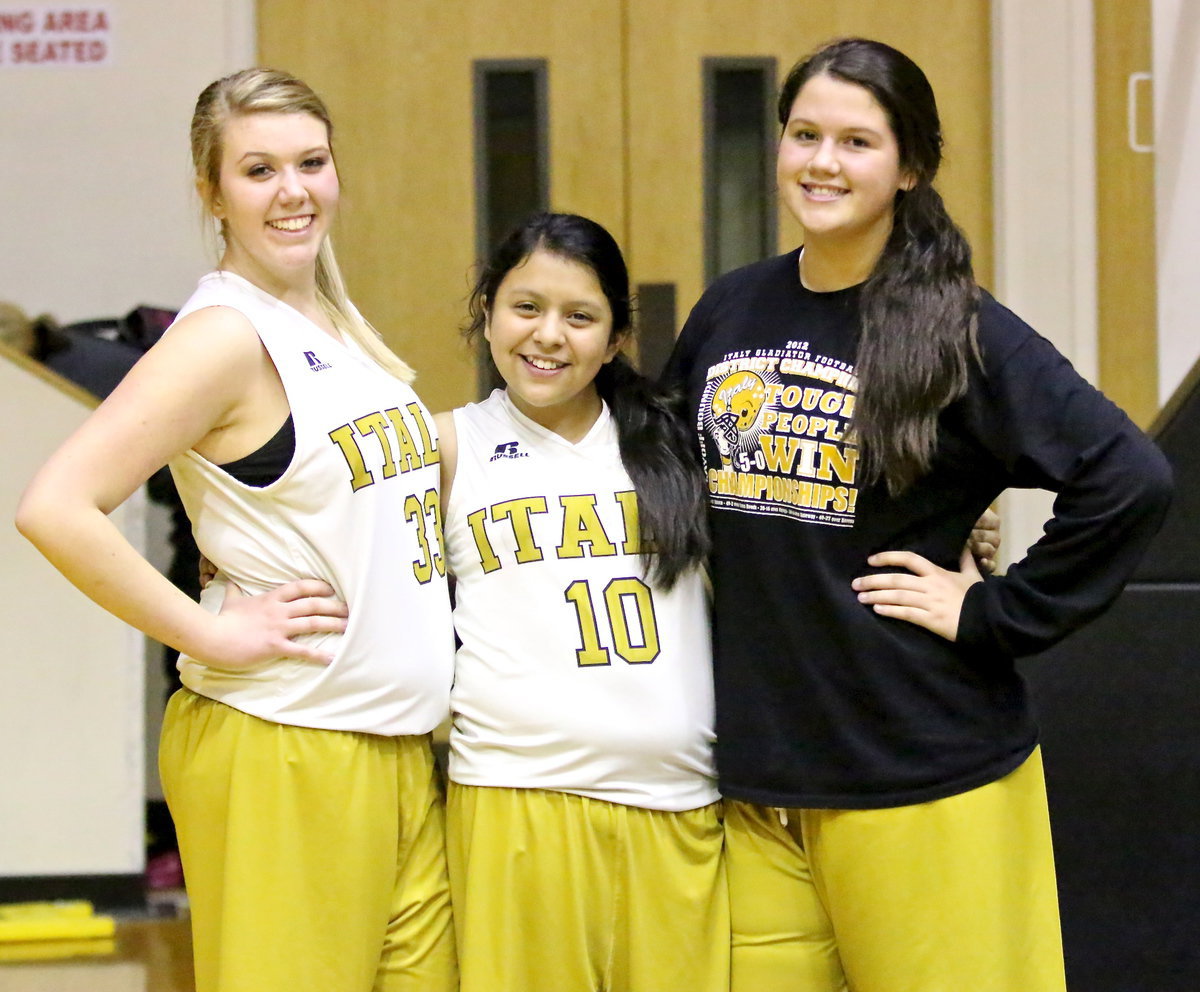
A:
x,y
357,507
575,674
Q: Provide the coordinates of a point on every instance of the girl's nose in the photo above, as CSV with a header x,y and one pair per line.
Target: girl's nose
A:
x,y
290,186
825,157
549,330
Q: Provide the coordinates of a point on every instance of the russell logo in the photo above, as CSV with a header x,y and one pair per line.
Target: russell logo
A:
x,y
314,363
508,449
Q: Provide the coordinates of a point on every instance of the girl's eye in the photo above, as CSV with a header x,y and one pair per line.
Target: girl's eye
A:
x,y
805,134
315,163
525,307
579,317
258,171
859,142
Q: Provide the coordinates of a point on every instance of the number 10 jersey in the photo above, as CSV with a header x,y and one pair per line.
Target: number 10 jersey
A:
x,y
576,673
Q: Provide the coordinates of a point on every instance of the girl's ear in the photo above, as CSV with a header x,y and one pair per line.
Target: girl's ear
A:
x,y
907,182
616,342
487,321
217,208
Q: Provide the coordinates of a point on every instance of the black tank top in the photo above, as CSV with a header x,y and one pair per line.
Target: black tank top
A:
x,y
262,467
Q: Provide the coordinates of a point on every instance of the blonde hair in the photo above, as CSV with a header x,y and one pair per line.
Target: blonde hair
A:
x,y
268,91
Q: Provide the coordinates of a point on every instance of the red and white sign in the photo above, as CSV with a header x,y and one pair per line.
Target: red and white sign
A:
x,y
39,37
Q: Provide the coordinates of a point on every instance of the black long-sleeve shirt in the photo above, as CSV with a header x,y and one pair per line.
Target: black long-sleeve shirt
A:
x,y
820,701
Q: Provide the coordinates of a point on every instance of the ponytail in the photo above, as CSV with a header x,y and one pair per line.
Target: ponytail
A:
x,y
659,453
918,336
331,292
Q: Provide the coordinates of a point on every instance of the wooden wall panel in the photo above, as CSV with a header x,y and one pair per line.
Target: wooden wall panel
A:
x,y
1125,263
950,41
398,79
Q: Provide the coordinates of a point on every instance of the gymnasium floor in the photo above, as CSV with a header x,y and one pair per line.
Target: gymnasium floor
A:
x,y
150,955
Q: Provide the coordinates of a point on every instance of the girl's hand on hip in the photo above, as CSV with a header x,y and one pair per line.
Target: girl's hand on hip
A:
x,y
261,628
984,541
208,572
928,596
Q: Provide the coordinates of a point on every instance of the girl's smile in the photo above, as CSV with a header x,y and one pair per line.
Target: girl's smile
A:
x,y
550,331
277,197
838,171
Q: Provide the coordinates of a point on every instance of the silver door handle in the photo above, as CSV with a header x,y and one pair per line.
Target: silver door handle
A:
x,y
1131,110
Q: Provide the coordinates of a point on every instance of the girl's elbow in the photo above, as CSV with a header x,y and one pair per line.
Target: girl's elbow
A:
x,y
40,516
31,517
1158,482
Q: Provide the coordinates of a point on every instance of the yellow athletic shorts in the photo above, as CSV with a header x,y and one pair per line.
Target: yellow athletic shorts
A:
x,y
559,893
955,895
314,859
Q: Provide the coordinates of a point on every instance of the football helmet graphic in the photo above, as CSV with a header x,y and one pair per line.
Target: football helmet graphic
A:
x,y
736,405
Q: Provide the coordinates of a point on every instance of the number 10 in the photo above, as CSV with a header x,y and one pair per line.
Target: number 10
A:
x,y
621,598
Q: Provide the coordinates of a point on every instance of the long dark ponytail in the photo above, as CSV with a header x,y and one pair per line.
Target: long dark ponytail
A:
x,y
919,304
657,449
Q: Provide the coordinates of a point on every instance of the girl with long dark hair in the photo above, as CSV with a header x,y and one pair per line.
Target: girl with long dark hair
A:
x,y
584,829
858,402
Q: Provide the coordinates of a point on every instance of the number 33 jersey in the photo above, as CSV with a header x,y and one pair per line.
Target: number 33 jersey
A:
x,y
357,506
575,673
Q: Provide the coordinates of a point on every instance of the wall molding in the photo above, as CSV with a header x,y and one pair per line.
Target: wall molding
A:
x,y
1044,151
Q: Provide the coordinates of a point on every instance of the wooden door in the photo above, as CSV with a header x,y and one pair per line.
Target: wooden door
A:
x,y
1125,269
399,79
670,38
625,132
